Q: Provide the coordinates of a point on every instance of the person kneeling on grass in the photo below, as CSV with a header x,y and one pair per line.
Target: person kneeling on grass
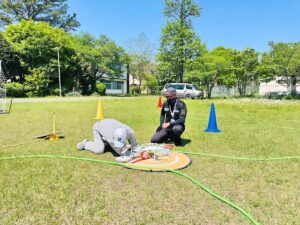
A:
x,y
172,119
110,133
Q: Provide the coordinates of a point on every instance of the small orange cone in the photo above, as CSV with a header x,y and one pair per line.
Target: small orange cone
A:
x,y
159,105
99,115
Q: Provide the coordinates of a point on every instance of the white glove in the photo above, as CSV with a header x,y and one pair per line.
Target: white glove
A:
x,y
136,151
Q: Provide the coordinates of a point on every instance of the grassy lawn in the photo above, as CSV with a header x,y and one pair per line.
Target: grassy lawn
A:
x,y
58,191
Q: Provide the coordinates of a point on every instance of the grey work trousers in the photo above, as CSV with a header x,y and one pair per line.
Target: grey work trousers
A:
x,y
97,146
174,132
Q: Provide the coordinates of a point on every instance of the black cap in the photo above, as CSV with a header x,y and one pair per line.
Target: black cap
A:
x,y
171,91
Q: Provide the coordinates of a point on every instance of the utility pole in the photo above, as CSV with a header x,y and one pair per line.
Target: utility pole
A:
x,y
58,64
127,78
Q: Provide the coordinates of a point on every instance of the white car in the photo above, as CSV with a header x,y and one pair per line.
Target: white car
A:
x,y
185,90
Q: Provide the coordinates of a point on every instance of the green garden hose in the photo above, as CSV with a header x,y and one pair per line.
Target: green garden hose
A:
x,y
238,158
247,215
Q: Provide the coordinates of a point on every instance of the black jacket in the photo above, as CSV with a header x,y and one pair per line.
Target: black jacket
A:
x,y
179,113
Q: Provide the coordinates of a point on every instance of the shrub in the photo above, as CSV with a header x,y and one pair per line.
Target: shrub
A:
x,y
133,89
291,97
15,89
37,83
95,94
73,94
100,88
54,91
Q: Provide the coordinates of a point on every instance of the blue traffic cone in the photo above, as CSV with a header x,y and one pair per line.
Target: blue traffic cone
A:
x,y
212,123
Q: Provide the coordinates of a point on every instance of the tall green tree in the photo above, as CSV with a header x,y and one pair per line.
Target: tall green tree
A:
x,y
38,45
266,69
285,58
10,60
178,39
152,79
89,57
112,57
245,65
51,11
213,68
140,52
98,57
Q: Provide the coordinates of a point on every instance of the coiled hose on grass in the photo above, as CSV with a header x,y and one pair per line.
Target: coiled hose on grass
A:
x,y
193,180
239,158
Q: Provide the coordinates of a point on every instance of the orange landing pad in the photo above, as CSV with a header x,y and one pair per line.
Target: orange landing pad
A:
x,y
174,161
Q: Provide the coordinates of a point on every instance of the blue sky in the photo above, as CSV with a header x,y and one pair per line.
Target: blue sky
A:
x,y
232,23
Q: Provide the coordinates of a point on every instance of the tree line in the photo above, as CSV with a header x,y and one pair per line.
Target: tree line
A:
x,y
183,57
36,31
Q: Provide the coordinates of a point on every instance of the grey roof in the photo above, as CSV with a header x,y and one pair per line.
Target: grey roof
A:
x,y
121,77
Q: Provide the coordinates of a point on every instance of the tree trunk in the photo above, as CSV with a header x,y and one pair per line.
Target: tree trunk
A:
x,y
22,78
209,90
140,84
93,85
240,89
181,70
244,85
127,78
288,86
293,85
182,51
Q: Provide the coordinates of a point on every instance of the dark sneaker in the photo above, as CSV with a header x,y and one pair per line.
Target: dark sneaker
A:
x,y
178,142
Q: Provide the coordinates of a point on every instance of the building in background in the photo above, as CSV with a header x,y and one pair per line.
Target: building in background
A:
x,y
114,85
278,87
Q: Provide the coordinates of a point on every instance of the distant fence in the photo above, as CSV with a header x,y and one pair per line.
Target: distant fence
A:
x,y
262,90
2,98
224,91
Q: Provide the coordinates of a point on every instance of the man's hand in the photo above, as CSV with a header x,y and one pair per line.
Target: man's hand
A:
x,y
125,149
165,125
145,155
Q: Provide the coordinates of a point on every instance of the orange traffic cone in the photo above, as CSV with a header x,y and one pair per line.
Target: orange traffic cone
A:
x,y
99,115
159,105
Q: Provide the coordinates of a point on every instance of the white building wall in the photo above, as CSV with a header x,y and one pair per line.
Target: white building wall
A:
x,y
110,91
125,87
118,91
270,87
133,81
115,91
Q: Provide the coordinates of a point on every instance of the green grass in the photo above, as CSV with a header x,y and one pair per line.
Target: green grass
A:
x,y
57,191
